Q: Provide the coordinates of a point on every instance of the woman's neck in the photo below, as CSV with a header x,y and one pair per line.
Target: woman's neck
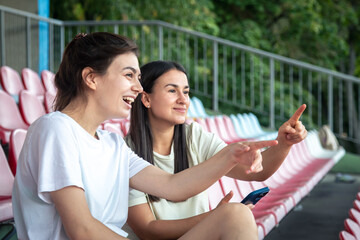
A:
x,y
162,138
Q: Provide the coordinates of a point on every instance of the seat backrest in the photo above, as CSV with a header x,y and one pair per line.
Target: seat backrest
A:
x,y
49,98
114,127
352,227
17,139
202,123
32,82
345,235
47,79
199,107
10,118
192,111
10,81
354,215
6,176
228,184
215,194
356,204
30,107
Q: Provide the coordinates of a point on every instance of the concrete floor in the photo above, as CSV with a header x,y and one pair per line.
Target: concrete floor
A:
x,y
320,215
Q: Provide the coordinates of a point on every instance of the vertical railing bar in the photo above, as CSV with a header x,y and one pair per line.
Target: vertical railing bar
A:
x,y
233,76
215,77
291,83
161,42
196,62
224,72
261,77
205,68
330,102
301,85
51,47
282,89
252,82
341,107
243,80
272,94
310,95
28,42
319,98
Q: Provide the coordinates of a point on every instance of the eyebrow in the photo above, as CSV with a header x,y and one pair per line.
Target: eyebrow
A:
x,y
131,68
174,85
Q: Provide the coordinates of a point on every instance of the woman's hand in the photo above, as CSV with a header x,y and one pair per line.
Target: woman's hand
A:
x,y
227,199
293,131
248,154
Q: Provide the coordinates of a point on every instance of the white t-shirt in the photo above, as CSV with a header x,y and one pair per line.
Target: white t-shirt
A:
x,y
58,153
202,145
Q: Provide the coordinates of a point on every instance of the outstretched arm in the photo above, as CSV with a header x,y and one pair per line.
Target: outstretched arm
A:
x,y
290,133
187,183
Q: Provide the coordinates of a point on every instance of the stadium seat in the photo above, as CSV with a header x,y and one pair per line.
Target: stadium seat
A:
x,y
199,108
17,139
345,235
30,107
32,82
6,184
11,82
114,127
10,117
224,127
354,215
49,98
202,123
352,227
356,204
47,79
191,111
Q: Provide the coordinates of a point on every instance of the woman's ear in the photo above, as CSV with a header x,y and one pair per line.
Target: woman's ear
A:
x,y
145,99
88,77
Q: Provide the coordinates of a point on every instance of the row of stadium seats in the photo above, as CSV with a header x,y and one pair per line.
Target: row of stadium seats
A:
x,y
306,164
352,222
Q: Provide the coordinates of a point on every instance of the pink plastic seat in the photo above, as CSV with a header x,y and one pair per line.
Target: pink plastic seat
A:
x,y
202,123
352,227
49,98
6,184
30,107
17,139
114,127
32,82
356,204
47,79
10,117
11,81
354,215
345,235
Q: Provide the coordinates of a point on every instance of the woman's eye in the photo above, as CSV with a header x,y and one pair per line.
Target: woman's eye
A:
x,y
186,92
130,75
172,90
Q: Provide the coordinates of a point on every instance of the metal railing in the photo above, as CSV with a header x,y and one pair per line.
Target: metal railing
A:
x,y
227,76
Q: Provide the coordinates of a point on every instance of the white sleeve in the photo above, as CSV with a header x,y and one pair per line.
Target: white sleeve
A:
x,y
58,157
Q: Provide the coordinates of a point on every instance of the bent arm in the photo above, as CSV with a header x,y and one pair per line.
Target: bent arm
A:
x,y
76,218
146,227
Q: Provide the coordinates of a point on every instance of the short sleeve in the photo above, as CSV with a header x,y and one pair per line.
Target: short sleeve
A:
x,y
54,145
202,143
136,197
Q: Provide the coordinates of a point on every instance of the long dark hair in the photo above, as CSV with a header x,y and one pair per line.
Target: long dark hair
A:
x,y
140,130
95,50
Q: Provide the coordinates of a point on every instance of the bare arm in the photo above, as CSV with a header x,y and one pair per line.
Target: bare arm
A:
x,y
75,215
146,227
187,183
291,132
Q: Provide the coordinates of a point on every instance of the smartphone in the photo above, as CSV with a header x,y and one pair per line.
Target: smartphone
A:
x,y
255,196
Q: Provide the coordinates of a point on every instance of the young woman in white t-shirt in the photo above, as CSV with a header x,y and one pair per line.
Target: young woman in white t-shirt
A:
x,y
158,133
73,179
